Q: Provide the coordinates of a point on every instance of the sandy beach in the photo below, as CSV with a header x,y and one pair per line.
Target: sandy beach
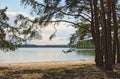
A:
x,y
48,63
72,69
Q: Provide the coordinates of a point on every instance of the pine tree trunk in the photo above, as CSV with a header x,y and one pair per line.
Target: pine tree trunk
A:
x,y
115,25
108,53
118,51
98,55
103,25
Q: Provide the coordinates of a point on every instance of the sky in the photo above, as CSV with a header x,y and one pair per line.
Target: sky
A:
x,y
63,30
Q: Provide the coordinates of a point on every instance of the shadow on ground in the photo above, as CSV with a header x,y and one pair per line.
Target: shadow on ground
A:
x,y
69,72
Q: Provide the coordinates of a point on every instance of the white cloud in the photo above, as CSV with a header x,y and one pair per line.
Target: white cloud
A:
x,y
63,30
59,40
62,34
14,14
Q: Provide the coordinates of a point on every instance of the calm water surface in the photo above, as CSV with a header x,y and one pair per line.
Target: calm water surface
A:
x,y
42,54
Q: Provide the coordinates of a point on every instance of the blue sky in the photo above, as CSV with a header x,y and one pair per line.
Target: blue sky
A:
x,y
13,5
63,31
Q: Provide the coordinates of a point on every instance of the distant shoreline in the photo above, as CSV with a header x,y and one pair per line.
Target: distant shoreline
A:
x,y
43,46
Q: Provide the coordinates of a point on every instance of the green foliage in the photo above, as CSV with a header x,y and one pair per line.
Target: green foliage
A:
x,y
86,51
8,34
28,28
12,37
84,44
58,9
81,37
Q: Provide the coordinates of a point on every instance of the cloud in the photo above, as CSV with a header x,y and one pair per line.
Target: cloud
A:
x,y
50,27
62,34
14,14
58,40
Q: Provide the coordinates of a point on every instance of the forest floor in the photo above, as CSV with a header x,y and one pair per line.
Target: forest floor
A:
x,y
76,69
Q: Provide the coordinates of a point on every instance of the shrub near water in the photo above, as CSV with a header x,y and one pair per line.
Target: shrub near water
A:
x,y
84,44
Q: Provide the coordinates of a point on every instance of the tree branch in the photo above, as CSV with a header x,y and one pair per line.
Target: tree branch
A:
x,y
59,9
70,23
51,21
75,15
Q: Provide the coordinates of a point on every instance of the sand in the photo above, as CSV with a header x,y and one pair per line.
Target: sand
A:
x,y
48,63
72,69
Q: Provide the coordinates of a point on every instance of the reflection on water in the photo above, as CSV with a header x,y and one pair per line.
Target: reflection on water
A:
x,y
42,54
90,52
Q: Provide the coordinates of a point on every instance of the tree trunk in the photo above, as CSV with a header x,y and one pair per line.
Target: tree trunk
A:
x,y
103,25
98,55
115,25
96,35
108,53
118,52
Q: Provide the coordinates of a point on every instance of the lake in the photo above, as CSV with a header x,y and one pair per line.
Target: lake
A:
x,y
42,54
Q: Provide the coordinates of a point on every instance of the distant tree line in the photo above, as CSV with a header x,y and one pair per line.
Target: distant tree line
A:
x,y
48,46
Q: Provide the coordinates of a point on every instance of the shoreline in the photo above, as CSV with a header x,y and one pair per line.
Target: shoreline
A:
x,y
49,63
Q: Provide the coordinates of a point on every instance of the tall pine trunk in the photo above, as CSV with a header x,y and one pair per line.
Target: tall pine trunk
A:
x,y
98,54
118,51
108,53
103,25
115,25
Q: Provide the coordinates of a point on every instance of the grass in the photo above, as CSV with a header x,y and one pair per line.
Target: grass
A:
x,y
73,71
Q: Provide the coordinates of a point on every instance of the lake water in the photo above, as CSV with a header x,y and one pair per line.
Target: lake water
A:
x,y
42,54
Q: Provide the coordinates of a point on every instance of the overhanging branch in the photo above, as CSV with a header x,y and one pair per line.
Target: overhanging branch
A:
x,y
75,15
51,21
70,23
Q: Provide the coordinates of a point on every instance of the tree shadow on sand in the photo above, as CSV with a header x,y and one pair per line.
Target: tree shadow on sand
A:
x,y
4,68
70,72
